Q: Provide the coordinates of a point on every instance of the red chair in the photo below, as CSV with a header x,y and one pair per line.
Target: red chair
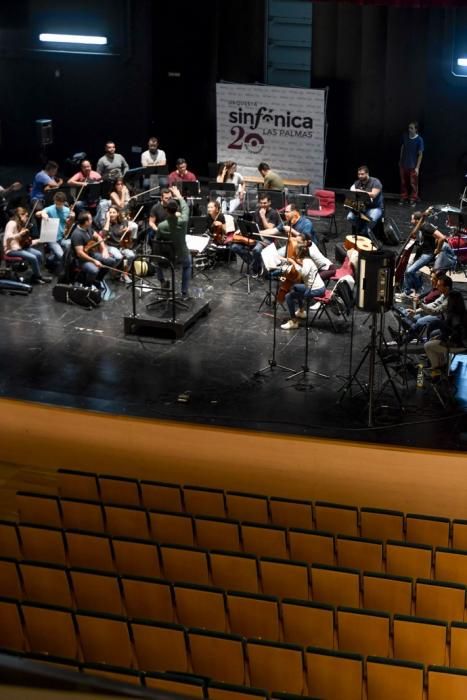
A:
x,y
327,208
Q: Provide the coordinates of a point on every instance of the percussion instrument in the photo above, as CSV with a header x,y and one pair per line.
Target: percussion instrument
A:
x,y
359,243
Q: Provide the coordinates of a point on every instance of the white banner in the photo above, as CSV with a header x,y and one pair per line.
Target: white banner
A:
x,y
284,127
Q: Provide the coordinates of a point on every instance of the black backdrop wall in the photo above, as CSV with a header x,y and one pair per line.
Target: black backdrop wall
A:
x,y
384,66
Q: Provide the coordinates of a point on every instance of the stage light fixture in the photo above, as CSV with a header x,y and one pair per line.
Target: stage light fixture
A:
x,y
73,39
462,62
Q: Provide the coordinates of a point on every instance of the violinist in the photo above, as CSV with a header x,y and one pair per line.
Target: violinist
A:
x,y
428,239
61,211
16,241
91,259
215,223
120,194
118,233
227,172
310,285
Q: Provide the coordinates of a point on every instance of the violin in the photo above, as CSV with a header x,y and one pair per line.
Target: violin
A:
x,y
406,250
25,238
71,220
94,242
126,241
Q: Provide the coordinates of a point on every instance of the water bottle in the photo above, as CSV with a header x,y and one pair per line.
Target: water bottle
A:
x,y
420,377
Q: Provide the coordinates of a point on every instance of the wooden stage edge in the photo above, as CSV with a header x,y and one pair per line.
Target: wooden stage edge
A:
x,y
43,437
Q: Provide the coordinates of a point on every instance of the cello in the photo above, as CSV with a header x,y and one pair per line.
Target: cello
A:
x,y
406,250
290,275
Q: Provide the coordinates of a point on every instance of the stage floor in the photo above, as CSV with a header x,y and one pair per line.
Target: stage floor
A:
x,y
64,355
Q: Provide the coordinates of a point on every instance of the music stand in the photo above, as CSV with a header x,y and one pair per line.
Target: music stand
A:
x,y
248,229
272,362
362,202
164,252
223,191
277,197
188,188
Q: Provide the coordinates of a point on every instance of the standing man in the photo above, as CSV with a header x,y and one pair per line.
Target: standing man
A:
x,y
373,213
154,155
111,165
271,180
173,230
410,159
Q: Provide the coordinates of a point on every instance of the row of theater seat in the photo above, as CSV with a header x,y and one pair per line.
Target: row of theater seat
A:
x,y
443,599
335,518
364,631
123,646
308,546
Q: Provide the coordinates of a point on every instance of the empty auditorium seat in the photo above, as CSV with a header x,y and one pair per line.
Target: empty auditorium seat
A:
x,y
200,606
419,639
393,594
388,679
216,533
43,543
172,528
89,550
459,645
127,521
277,667
451,565
407,559
253,615
447,683
82,515
247,506
291,513
312,547
105,639
182,684
119,489
335,586
382,524
425,529
336,518
157,495
136,557
308,624
160,647
73,483
185,564
9,540
440,601
363,631
97,591
11,629
459,534
264,540
227,691
235,571
218,656
359,553
50,630
148,598
204,501
113,673
38,508
10,581
333,674
284,579
46,583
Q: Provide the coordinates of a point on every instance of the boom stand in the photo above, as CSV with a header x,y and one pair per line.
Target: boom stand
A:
x,y
272,362
372,350
305,368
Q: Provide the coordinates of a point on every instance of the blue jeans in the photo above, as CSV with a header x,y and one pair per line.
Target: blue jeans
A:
x,y
31,256
186,273
92,273
257,259
243,252
374,214
420,323
299,293
412,278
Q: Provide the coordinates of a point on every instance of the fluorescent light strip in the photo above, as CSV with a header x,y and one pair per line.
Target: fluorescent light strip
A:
x,y
74,39
462,62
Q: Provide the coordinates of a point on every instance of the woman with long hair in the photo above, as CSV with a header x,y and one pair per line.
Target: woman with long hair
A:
x,y
17,243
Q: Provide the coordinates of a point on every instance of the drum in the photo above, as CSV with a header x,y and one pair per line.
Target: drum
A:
x,y
360,243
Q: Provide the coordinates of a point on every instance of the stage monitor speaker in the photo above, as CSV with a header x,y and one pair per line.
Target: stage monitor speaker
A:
x,y
44,132
375,280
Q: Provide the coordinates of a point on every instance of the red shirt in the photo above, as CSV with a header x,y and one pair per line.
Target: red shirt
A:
x,y
175,177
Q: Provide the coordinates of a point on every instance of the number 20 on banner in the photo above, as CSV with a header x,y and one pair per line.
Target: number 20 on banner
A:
x,y
253,142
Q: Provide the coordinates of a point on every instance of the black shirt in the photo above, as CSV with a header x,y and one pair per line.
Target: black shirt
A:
x,y
272,217
427,244
159,213
210,221
80,237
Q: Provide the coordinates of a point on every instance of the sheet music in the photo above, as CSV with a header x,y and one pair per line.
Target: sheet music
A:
x,y
270,257
197,243
49,230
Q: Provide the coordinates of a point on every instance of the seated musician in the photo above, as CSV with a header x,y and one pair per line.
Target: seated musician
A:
x,y
88,199
17,242
227,173
111,165
373,213
271,179
295,223
90,258
61,211
154,156
181,173
215,223
268,220
45,179
119,237
120,194
429,239
415,321
449,335
310,285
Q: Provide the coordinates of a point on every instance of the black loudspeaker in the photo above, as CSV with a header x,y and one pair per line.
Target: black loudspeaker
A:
x,y
44,132
375,280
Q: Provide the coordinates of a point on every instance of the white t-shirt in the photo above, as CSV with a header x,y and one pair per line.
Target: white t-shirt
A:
x,y
320,260
157,158
310,276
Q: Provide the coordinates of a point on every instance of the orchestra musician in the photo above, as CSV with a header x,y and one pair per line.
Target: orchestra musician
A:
x,y
429,240
111,165
61,211
228,173
295,224
215,222
46,179
120,194
311,285
85,174
372,214
174,230
267,219
154,155
181,173
90,260
17,242
158,213
119,235
271,179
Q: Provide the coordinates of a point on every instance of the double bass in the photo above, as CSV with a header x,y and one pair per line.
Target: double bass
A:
x,y
406,251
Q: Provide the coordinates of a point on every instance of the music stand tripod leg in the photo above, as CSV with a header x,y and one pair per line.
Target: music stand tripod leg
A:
x,y
272,362
305,367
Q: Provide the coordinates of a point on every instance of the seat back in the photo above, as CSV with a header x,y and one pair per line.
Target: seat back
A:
x,y
200,606
39,509
105,639
217,656
424,529
9,540
148,598
312,547
459,645
388,679
172,528
42,543
234,571
79,514
176,683
157,495
77,484
247,506
363,631
184,564
419,639
97,591
447,683
332,674
46,583
51,630
11,629
308,623
393,594
337,518
360,553
407,559
119,490
254,615
10,581
89,550
451,565
264,540
439,601
284,579
136,557
160,647
291,513
216,533
335,586
327,199
382,524
127,521
277,667
204,501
